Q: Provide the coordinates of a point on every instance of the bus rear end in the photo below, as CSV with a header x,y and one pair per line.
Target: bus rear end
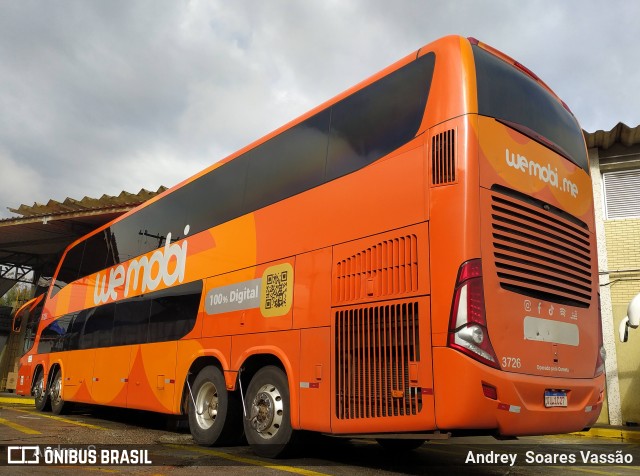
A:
x,y
524,350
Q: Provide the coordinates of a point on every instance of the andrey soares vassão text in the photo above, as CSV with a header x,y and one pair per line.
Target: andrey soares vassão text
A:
x,y
585,457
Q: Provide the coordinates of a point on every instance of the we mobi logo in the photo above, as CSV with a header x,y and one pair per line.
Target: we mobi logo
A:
x,y
166,265
543,173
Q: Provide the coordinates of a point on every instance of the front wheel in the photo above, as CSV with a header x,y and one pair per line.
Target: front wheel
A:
x,y
40,394
215,417
268,426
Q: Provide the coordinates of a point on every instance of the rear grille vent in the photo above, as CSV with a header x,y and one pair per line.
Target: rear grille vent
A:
x,y
375,347
443,158
385,269
539,254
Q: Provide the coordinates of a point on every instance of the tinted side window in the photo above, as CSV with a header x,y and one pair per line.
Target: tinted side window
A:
x,y
96,255
207,201
48,337
53,336
290,163
74,331
506,93
131,321
69,269
32,327
84,259
98,328
353,132
63,325
379,118
174,312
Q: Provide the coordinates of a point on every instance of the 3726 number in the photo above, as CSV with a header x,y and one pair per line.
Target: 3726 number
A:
x,y
511,362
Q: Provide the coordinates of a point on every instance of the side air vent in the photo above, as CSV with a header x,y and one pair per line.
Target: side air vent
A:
x,y
375,348
388,268
443,158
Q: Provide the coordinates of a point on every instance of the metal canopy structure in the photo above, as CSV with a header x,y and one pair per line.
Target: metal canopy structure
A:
x,y
31,245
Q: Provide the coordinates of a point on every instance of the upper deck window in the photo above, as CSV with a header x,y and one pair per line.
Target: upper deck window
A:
x,y
507,94
338,140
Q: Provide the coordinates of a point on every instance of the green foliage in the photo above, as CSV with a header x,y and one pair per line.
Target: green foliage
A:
x,y
17,295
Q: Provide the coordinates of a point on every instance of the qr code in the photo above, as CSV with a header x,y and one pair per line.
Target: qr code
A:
x,y
276,292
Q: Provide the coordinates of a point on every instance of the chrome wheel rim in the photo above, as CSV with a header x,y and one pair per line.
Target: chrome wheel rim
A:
x,y
38,390
267,411
56,396
207,405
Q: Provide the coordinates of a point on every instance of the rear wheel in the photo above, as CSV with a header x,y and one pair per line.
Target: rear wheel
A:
x,y
268,426
41,396
58,405
215,419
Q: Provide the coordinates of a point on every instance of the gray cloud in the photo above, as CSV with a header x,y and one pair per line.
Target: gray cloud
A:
x,y
98,97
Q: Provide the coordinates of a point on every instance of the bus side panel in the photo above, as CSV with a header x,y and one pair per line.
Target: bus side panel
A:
x,y
384,266
312,289
312,314
188,351
454,224
315,379
385,195
25,374
110,375
285,346
382,369
257,299
152,377
77,368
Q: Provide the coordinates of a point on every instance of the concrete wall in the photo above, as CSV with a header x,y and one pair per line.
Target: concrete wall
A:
x,y
618,255
623,253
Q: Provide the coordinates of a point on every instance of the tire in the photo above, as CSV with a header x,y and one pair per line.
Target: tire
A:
x,y
216,418
268,423
58,405
399,445
40,393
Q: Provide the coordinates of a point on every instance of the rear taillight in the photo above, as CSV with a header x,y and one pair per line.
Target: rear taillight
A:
x,y
468,323
602,354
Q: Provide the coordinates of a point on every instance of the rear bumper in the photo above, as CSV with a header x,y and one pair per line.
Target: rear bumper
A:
x,y
519,409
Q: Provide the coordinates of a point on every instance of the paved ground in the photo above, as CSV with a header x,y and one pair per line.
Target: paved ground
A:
x,y
123,434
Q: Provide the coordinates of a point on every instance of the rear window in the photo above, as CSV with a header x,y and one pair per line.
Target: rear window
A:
x,y
507,94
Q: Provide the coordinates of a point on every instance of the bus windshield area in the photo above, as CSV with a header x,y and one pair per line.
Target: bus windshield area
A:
x,y
518,101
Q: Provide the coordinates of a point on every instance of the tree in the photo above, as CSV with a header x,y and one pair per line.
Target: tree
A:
x,y
17,295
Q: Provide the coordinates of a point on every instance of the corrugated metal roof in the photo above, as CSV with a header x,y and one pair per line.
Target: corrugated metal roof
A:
x,y
86,205
621,133
36,239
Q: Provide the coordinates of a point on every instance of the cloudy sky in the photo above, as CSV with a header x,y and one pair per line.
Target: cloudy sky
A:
x,y
102,96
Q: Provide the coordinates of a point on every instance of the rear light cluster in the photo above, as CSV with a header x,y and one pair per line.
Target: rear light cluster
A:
x,y
468,323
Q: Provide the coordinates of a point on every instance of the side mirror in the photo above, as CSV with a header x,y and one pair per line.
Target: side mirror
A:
x,y
623,330
632,320
633,312
18,317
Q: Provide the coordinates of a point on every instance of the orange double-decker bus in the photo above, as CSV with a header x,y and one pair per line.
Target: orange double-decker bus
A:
x,y
415,256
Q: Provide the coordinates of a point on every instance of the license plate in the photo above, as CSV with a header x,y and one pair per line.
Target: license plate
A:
x,y
555,398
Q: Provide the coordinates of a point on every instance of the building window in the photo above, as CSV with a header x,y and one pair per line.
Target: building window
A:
x,y
621,194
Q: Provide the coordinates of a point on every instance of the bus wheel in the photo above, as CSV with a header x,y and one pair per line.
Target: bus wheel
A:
x,y
41,396
216,417
268,425
58,405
